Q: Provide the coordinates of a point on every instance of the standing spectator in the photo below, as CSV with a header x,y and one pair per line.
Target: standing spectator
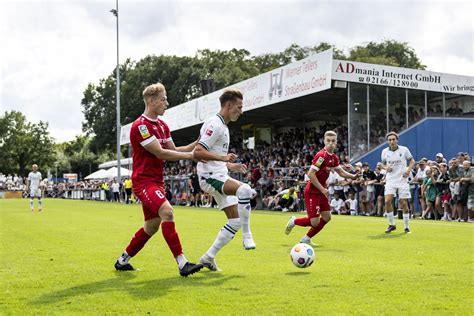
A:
x,y
115,191
431,192
442,187
419,177
128,189
455,174
193,183
440,158
466,185
454,110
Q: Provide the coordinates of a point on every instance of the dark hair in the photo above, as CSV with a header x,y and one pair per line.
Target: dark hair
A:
x,y
230,95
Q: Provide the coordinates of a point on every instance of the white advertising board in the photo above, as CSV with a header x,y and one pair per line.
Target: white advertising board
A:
x,y
303,77
402,77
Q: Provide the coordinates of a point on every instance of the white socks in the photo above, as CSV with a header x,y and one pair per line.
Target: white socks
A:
x,y
244,193
406,219
224,236
181,260
391,219
123,259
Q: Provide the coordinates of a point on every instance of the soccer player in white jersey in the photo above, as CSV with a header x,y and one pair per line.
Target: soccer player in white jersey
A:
x,y
33,187
394,161
231,195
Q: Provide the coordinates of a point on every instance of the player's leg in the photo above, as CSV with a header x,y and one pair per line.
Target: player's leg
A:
x,y
227,232
389,194
172,239
404,195
32,201
311,211
138,241
323,210
244,194
40,204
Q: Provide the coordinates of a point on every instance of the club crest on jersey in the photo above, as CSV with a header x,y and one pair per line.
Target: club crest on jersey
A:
x,y
319,162
209,132
144,131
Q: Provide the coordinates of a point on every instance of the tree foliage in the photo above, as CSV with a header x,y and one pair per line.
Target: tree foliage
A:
x,y
182,75
23,143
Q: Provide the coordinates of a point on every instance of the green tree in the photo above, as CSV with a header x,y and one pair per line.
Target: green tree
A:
x,y
389,52
23,143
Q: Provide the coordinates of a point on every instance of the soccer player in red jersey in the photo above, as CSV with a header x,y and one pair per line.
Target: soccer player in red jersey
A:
x,y
152,144
315,193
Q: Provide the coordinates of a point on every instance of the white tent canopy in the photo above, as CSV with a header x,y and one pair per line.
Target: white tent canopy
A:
x,y
99,174
112,172
109,174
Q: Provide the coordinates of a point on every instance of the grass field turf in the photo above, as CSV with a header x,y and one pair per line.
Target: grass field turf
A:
x,y
61,261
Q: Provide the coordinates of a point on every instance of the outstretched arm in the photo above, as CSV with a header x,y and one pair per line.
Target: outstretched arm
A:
x,y
202,153
190,147
343,173
156,149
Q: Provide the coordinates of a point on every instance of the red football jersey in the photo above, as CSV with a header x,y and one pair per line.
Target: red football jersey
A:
x,y
146,167
322,163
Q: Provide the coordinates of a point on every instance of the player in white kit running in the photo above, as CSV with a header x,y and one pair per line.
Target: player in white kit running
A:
x,y
33,187
231,195
394,160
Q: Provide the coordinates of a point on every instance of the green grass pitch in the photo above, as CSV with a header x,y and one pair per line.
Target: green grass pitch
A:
x,y
61,261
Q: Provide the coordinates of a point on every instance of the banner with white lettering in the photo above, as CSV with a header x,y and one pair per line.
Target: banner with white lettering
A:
x,y
303,77
402,77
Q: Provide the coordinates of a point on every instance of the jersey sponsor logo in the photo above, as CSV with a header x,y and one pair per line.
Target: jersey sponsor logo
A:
x,y
319,162
209,132
144,131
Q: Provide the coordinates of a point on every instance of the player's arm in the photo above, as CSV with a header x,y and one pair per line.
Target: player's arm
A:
x,y
314,180
411,164
154,147
201,153
190,147
343,173
237,167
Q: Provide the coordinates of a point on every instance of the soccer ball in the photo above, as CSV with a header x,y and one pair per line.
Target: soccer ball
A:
x,y
302,255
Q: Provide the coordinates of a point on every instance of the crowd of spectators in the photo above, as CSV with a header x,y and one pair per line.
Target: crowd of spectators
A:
x,y
440,189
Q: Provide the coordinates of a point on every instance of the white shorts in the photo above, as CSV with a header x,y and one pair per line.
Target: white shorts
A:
x,y
213,183
403,190
35,193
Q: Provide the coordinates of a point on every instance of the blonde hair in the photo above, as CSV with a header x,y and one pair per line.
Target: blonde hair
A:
x,y
153,90
330,133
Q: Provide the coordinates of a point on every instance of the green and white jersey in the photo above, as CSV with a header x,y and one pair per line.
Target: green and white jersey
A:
x,y
397,160
214,136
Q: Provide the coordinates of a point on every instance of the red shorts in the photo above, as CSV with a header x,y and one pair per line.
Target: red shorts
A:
x,y
315,204
152,197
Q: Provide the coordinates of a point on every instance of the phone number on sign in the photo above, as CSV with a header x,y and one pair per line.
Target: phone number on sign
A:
x,y
389,82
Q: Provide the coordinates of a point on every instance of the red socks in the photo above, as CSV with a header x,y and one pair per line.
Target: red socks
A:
x,y
314,230
302,221
172,238
137,242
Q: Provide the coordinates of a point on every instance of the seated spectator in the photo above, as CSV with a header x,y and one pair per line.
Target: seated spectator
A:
x,y
337,205
351,204
286,200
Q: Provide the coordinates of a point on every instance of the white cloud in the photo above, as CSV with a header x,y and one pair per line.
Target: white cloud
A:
x,y
51,50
